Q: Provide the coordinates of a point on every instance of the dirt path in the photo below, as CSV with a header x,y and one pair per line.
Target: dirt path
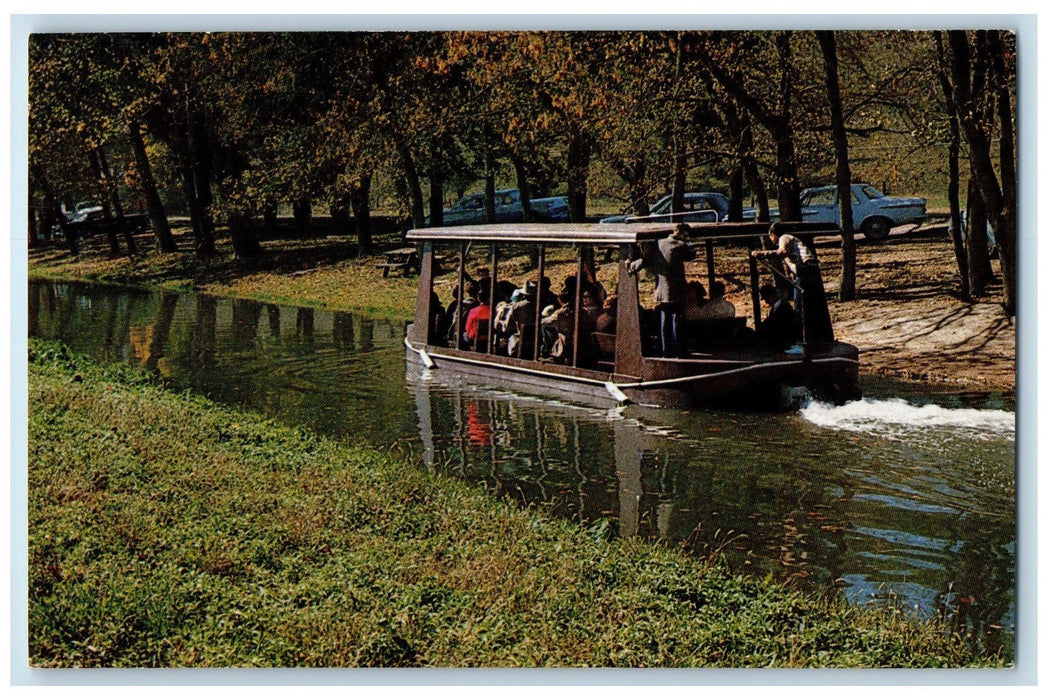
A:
x,y
909,322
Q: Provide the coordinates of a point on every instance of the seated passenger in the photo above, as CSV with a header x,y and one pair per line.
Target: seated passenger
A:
x,y
469,302
779,330
717,307
606,319
478,321
694,301
522,323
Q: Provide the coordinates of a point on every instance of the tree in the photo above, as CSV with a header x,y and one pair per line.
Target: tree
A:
x,y
828,43
775,113
984,113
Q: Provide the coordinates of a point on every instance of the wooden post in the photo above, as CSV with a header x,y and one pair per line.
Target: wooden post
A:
x,y
755,291
424,300
461,292
538,301
578,311
709,266
491,299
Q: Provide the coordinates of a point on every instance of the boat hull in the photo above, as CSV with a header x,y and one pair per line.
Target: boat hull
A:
x,y
688,383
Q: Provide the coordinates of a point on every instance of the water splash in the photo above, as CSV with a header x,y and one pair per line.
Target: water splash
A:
x,y
898,417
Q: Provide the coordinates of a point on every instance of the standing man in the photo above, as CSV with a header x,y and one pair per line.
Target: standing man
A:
x,y
804,266
666,262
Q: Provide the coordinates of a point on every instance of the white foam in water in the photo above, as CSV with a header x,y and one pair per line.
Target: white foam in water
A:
x,y
894,416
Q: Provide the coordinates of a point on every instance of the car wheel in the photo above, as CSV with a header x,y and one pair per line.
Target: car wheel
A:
x,y
877,229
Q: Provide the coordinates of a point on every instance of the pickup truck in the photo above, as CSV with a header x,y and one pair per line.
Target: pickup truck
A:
x,y
872,212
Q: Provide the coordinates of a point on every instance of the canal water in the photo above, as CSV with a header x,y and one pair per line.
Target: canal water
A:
x,y
906,498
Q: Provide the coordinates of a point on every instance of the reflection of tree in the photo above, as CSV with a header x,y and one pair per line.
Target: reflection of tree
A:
x,y
33,310
274,320
304,327
246,315
161,329
342,331
367,335
982,569
204,337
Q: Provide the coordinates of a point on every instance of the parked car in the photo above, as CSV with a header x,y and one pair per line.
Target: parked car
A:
x,y
508,209
707,207
873,213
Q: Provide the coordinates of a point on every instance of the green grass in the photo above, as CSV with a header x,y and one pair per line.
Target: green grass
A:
x,y
167,531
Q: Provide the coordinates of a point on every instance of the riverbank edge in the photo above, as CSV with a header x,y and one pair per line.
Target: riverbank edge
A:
x,y
168,531
332,283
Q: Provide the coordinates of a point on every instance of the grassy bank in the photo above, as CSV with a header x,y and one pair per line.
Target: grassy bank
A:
x,y
324,272
167,531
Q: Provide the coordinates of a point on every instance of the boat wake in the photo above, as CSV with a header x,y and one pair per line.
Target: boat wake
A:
x,y
898,418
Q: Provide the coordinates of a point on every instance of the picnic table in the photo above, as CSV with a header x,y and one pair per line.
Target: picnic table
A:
x,y
403,259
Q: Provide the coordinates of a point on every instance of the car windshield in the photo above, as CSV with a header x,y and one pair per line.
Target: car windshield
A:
x,y
871,192
662,206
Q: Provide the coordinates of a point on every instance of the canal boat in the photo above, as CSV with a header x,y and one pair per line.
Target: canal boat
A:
x,y
724,366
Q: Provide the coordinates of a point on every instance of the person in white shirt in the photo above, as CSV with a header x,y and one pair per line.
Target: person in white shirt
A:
x,y
802,263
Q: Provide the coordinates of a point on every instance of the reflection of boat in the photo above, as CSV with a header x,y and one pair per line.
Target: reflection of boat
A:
x,y
621,367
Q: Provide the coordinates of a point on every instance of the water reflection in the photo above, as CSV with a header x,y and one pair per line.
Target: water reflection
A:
x,y
917,510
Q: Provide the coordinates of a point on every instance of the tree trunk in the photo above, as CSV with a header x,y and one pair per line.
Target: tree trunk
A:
x,y
680,179
114,192
360,196
1005,221
999,202
489,189
157,216
196,185
954,184
242,236
340,205
32,226
200,245
436,196
270,220
523,187
828,43
579,151
417,202
979,269
103,198
302,210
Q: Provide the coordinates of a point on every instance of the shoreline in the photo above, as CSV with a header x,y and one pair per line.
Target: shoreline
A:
x,y
907,322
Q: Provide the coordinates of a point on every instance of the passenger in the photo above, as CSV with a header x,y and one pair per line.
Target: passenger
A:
x,y
696,302
718,307
522,321
501,323
606,319
591,283
779,329
479,319
558,328
666,262
804,266
546,295
469,302
590,304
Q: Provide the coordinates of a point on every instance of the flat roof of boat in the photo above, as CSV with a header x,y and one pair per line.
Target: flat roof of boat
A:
x,y
606,234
